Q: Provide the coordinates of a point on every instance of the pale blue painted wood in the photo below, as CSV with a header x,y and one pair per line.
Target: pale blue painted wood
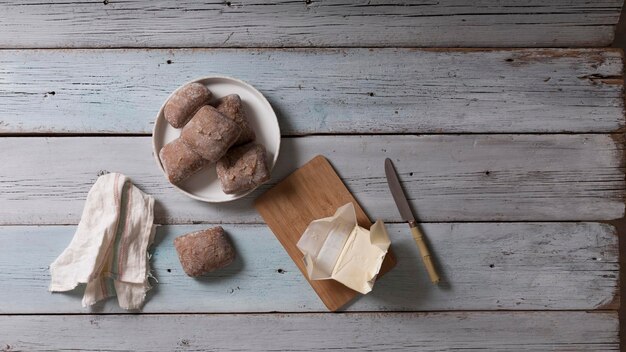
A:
x,y
384,332
535,266
322,91
447,177
484,266
262,23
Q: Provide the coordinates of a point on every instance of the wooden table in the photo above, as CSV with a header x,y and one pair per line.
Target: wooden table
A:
x,y
513,158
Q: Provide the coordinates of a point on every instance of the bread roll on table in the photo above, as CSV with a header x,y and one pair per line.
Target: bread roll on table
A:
x,y
204,251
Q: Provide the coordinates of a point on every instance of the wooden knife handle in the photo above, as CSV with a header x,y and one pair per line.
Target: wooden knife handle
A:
x,y
419,239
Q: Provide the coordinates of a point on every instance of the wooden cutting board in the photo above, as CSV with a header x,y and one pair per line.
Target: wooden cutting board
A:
x,y
313,191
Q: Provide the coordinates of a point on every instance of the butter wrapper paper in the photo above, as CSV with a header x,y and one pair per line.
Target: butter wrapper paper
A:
x,y
339,249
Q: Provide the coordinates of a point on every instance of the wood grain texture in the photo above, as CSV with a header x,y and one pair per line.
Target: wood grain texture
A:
x,y
270,23
312,192
505,331
323,91
447,177
484,266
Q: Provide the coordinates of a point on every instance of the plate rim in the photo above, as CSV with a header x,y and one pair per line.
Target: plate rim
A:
x,y
157,124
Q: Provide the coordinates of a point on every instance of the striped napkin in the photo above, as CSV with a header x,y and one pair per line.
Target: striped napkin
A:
x,y
109,251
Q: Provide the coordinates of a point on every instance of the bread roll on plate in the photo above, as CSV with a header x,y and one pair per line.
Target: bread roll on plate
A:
x,y
231,107
184,102
210,133
243,168
179,161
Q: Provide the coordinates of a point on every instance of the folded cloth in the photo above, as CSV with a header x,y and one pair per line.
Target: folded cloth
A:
x,y
109,251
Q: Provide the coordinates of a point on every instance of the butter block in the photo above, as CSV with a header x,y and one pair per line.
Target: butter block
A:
x,y
338,248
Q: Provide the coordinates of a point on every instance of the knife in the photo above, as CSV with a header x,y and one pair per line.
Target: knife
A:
x,y
405,211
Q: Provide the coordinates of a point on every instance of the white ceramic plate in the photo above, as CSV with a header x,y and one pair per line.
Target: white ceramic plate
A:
x,y
205,185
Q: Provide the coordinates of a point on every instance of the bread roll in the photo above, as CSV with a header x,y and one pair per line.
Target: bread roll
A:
x,y
210,133
179,161
204,251
185,101
243,168
231,107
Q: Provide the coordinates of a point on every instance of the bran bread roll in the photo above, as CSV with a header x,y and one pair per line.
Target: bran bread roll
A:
x,y
210,133
204,251
185,101
243,168
179,161
231,107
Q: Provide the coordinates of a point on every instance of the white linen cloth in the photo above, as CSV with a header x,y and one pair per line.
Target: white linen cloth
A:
x,y
109,251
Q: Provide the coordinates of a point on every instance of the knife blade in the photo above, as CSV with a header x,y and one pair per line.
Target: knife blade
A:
x,y
396,191
407,215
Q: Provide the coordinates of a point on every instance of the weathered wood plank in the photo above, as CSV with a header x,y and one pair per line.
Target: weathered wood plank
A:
x,y
448,178
504,331
484,266
263,23
323,91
